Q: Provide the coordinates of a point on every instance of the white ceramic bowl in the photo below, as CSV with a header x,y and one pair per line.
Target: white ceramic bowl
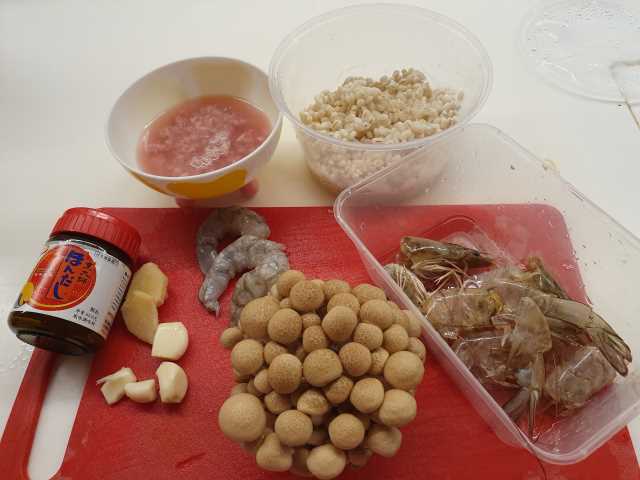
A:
x,y
172,84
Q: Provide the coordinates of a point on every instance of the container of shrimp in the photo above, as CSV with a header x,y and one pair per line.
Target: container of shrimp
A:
x,y
525,288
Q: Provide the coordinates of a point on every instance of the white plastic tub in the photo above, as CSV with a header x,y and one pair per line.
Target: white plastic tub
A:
x,y
372,40
479,165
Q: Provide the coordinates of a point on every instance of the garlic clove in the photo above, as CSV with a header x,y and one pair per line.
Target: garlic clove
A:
x,y
170,341
113,385
152,281
140,315
141,392
173,382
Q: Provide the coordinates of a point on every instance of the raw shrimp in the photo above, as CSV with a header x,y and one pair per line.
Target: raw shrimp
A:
x,y
453,311
418,249
236,221
485,355
271,262
449,310
440,263
534,276
574,381
568,319
537,276
531,334
409,283
529,340
246,252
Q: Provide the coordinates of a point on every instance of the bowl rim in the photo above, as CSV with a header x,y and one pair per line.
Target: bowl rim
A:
x,y
274,132
485,64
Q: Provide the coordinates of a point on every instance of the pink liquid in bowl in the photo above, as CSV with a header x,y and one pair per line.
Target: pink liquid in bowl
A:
x,y
201,135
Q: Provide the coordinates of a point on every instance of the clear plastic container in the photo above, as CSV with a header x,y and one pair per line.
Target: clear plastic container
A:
x,y
585,47
477,169
372,41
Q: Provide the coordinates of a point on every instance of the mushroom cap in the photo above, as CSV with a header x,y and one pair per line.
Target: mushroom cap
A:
x,y
398,408
345,300
346,431
293,428
369,335
355,358
383,440
321,367
335,286
377,312
255,316
285,373
367,395
339,323
247,356
404,370
242,418
326,462
396,338
306,296
365,292
285,326
287,280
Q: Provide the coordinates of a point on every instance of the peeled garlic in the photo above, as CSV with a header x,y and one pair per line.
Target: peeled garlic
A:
x,y
173,382
141,392
170,341
113,386
140,315
150,280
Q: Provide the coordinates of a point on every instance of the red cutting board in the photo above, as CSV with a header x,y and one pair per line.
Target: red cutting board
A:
x,y
448,440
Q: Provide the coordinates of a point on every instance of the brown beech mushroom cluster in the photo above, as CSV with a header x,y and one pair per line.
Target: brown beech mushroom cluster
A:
x,y
325,376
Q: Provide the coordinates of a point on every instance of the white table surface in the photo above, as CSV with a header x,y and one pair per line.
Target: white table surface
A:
x,y
63,63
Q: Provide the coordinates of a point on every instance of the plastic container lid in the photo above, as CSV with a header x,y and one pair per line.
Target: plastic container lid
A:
x,y
585,47
89,221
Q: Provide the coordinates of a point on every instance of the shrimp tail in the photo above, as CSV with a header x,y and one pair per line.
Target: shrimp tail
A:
x,y
207,299
614,349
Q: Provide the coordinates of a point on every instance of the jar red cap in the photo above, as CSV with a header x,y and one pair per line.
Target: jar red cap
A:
x,y
101,225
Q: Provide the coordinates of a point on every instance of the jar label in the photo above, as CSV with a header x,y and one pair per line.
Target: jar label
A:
x,y
78,282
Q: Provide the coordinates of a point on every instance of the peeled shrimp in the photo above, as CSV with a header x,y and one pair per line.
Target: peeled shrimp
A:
x,y
270,263
236,221
247,252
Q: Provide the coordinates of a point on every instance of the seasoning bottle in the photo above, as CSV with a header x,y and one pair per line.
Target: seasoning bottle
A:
x,y
71,298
